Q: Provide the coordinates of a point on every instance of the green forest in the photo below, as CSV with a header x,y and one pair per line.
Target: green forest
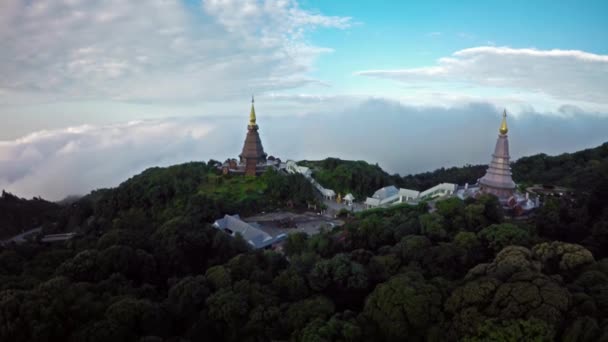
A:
x,y
576,170
148,266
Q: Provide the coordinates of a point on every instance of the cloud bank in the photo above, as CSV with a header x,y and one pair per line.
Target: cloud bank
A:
x,y
154,51
557,76
403,139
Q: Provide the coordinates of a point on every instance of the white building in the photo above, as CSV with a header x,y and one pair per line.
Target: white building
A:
x,y
439,190
349,199
391,195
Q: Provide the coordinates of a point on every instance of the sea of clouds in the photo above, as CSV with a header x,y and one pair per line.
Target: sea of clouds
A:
x,y
402,139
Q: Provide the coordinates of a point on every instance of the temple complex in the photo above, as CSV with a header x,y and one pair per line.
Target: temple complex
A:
x,y
252,160
497,180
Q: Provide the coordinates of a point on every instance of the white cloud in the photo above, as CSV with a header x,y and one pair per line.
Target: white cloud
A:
x,y
76,160
556,76
158,50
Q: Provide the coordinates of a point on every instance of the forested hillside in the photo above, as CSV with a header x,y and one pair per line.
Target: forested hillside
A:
x,y
576,170
345,176
18,214
150,268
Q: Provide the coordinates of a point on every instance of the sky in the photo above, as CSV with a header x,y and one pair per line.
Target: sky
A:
x,y
93,92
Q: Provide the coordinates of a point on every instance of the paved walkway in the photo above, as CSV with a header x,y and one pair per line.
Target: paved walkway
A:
x,y
21,238
309,223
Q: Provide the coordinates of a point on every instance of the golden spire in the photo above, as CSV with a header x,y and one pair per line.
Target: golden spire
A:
x,y
252,114
503,126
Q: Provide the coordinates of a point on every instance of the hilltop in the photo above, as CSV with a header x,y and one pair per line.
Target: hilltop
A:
x,y
578,170
18,214
149,266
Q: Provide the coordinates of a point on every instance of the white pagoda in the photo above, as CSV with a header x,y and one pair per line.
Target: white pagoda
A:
x,y
497,180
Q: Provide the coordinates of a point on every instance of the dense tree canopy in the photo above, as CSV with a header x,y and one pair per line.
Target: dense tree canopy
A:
x,y
148,266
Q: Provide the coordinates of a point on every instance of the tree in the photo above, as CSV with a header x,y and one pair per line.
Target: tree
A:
x,y
299,314
563,258
432,225
337,274
341,327
469,242
509,288
290,285
452,211
83,267
412,248
404,306
296,243
512,331
229,309
219,277
498,236
138,317
187,298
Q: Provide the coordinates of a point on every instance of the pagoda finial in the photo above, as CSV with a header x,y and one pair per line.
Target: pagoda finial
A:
x,y
252,114
503,126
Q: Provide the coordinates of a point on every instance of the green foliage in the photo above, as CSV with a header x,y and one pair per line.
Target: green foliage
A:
x,y
452,210
499,236
510,287
149,267
18,215
576,170
299,314
296,243
186,298
338,273
512,331
404,306
432,225
562,258
343,176
338,328
218,277
457,175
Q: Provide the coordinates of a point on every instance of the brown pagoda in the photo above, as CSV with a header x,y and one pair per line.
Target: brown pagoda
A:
x,y
253,157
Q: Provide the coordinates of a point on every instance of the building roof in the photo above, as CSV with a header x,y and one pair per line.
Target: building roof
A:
x,y
256,237
349,197
386,192
439,189
373,202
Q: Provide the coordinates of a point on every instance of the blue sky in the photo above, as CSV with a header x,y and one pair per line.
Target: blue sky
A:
x,y
406,34
93,62
73,73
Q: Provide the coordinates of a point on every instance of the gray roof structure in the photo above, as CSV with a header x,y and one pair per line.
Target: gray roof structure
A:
x,y
254,236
